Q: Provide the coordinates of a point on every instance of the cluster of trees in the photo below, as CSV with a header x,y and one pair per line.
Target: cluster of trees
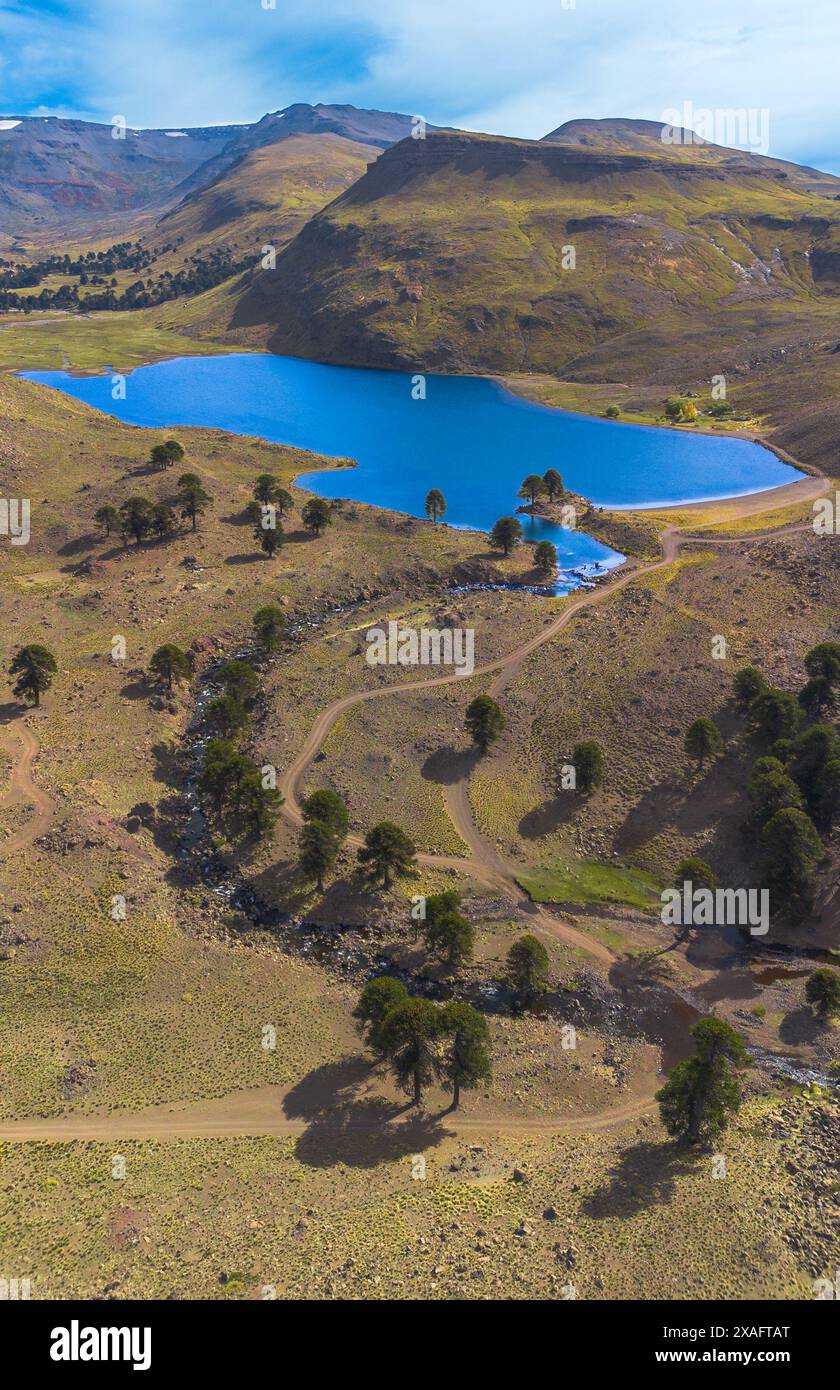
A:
x,y
243,797
485,722
269,506
92,268
140,518
681,408
422,1042
684,410
794,788
506,535
199,273
386,854
549,485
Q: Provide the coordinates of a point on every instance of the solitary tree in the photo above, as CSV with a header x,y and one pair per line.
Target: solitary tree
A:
x,y
136,517
747,684
318,849
378,997
269,625
192,498
792,849
163,519
822,990
823,666
697,873
253,805
435,504
466,1062
283,501
545,557
484,721
827,794
34,667
527,969
169,664
407,1036
159,458
108,518
317,514
222,769
265,488
775,714
239,679
174,451
439,904
703,740
451,936
702,1092
807,757
389,852
532,488
588,762
327,806
227,714
506,534
770,789
270,539
553,483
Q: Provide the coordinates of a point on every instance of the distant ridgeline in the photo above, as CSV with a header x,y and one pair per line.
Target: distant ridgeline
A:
x,y
202,272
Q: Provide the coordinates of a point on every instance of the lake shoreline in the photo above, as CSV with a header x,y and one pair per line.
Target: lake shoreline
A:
x,y
466,438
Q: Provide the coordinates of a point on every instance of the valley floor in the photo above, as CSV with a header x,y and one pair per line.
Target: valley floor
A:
x,y
245,1169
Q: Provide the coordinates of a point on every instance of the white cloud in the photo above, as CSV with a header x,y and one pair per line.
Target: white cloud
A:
x,y
518,68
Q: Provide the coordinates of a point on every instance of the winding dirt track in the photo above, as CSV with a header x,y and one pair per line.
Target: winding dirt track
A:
x,y
23,786
260,1111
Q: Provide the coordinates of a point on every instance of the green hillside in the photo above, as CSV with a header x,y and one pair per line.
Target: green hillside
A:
x,y
450,252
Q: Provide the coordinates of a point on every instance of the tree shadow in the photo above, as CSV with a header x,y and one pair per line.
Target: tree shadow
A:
x,y
801,1026
139,689
167,824
448,766
169,767
548,817
643,1176
328,1087
362,1136
248,558
348,1125
12,709
79,544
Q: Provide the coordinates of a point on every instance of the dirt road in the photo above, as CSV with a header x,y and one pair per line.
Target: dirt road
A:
x,y
260,1111
24,788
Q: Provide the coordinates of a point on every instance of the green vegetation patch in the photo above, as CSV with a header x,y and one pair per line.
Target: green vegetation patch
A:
x,y
590,882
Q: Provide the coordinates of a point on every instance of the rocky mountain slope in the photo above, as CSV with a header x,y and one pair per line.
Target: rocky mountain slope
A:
x,y
471,252
61,175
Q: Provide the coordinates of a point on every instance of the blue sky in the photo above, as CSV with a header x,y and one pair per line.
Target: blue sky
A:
x,y
519,67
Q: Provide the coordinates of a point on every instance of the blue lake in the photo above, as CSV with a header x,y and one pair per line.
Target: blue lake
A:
x,y
469,437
